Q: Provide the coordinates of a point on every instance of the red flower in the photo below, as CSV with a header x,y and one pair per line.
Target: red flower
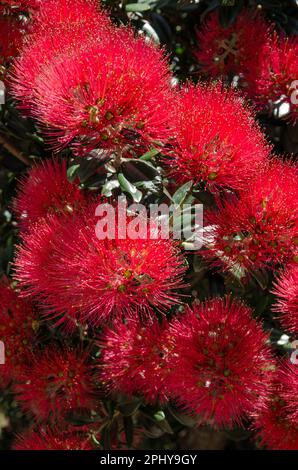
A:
x,y
227,50
11,6
18,327
60,27
12,31
44,438
46,190
62,12
258,230
217,141
136,359
57,383
289,379
273,73
287,290
112,93
221,368
79,277
275,426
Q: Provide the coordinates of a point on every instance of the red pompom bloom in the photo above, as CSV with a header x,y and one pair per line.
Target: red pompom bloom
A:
x,y
56,439
46,190
260,229
217,141
277,427
289,378
221,368
10,6
113,93
80,277
56,384
12,30
54,12
18,326
136,359
61,26
273,75
287,291
226,51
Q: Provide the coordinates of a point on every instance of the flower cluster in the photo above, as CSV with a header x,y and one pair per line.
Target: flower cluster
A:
x,y
287,292
259,228
265,63
277,425
217,142
75,94
133,329
46,190
19,325
227,50
213,361
79,277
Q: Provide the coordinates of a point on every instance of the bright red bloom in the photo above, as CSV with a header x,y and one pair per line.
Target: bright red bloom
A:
x,y
56,384
276,427
12,30
259,229
45,438
287,291
273,75
18,328
61,12
60,27
289,378
218,143
11,6
80,277
46,190
113,93
226,51
221,367
136,359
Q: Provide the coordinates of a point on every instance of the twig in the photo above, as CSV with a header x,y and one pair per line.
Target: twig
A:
x,y
14,151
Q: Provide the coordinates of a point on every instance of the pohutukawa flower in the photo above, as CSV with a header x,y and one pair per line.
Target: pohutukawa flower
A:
x,y
46,190
259,229
136,359
273,75
80,277
12,30
227,50
45,438
287,291
18,329
218,142
56,384
222,363
11,6
113,93
289,379
275,426
60,27
61,12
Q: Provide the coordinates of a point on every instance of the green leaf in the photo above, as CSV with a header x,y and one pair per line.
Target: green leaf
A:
x,y
72,173
137,7
159,416
129,188
149,155
181,193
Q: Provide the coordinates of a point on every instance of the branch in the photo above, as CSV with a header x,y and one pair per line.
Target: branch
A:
x,y
13,150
